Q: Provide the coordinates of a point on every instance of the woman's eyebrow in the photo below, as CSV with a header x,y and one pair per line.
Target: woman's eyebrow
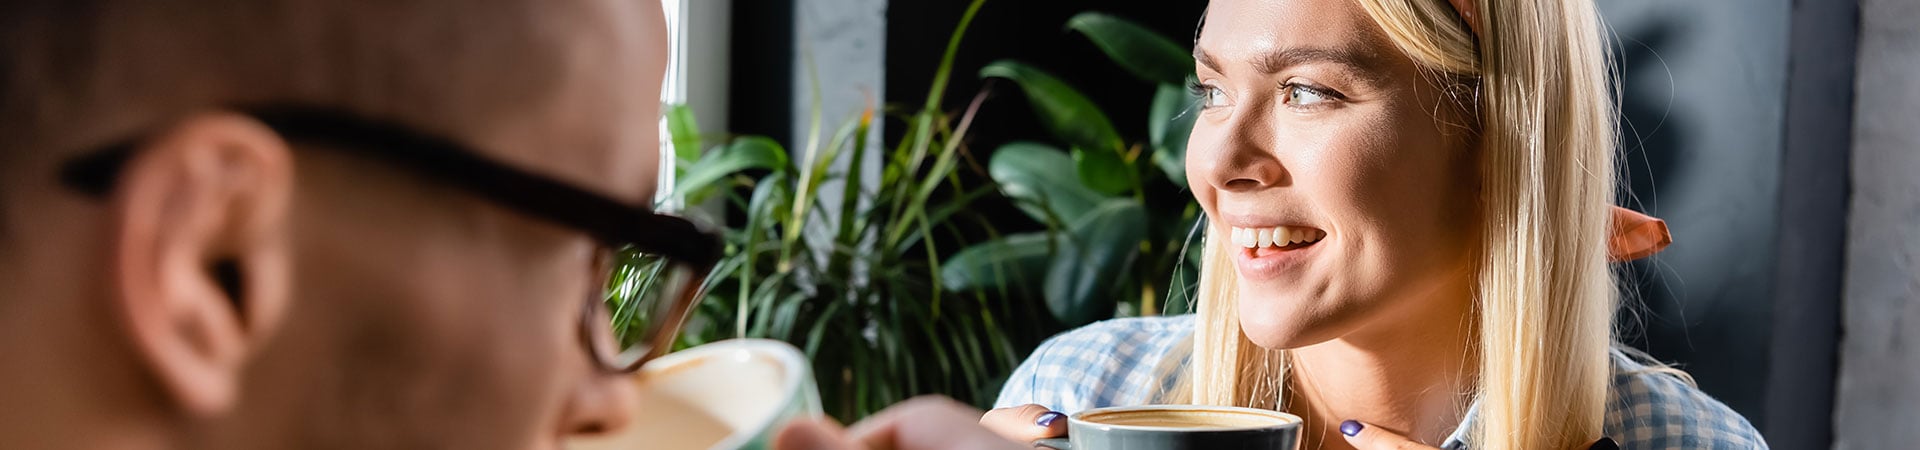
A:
x,y
1201,56
1366,64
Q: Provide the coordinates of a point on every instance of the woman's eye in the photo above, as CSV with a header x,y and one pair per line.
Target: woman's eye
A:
x,y
1210,96
1215,97
1303,96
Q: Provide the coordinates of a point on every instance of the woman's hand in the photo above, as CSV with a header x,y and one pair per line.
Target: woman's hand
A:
x,y
924,423
1367,437
1026,423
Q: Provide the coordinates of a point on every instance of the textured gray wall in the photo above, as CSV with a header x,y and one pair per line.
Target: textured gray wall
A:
x,y
841,50
709,37
1878,404
846,43
841,55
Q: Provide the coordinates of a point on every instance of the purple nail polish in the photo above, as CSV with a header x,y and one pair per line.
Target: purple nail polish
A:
x,y
1351,428
1048,418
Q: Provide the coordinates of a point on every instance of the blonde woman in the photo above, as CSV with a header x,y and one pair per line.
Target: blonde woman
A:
x,y
1407,244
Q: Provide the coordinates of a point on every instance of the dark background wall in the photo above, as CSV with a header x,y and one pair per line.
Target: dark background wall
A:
x,y
1737,118
1703,84
760,86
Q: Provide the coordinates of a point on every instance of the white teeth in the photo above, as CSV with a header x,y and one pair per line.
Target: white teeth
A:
x,y
1273,237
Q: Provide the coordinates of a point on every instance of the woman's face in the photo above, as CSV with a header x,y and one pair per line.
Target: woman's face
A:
x,y
1343,179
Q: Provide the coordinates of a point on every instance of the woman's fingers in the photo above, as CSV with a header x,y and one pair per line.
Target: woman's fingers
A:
x,y
1367,437
1026,423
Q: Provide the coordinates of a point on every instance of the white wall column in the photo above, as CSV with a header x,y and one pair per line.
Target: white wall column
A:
x,y
1878,393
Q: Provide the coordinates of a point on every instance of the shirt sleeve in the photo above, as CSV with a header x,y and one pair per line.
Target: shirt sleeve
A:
x,y
1660,411
1108,363
1020,388
1057,375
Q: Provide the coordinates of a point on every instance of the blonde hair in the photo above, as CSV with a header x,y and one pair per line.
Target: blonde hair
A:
x,y
1546,139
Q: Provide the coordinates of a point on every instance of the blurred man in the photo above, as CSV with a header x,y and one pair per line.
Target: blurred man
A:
x,y
181,271
334,224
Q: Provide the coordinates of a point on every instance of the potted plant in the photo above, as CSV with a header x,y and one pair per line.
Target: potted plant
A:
x,y
1118,228
863,299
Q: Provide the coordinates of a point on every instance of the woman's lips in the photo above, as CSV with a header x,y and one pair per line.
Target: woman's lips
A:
x,y
1267,253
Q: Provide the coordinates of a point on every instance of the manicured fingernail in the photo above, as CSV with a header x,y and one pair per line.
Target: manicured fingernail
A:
x,y
1351,428
1048,418
1606,443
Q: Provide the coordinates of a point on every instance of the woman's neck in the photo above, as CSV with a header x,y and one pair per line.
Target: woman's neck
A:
x,y
1411,372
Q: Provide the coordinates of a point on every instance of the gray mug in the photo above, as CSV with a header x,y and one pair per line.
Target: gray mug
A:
x,y
1177,427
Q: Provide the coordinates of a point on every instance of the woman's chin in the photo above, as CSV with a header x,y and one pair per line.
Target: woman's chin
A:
x,y
1283,339
1280,324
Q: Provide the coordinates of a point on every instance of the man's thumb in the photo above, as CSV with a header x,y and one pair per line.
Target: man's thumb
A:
x,y
813,434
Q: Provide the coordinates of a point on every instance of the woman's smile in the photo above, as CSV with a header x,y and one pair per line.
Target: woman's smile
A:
x,y
1266,252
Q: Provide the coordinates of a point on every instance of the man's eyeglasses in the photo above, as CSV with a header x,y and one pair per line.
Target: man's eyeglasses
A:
x,y
652,266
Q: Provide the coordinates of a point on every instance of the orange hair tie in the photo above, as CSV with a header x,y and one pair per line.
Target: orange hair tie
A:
x,y
1635,235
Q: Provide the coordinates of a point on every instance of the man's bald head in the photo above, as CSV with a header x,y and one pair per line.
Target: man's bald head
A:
x,y
77,73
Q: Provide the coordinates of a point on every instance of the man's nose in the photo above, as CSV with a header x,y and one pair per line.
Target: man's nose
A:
x,y
602,405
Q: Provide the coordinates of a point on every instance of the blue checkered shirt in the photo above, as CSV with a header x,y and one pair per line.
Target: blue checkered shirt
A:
x,y
1123,362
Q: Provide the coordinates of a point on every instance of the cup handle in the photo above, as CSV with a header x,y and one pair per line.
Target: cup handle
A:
x,y
1053,443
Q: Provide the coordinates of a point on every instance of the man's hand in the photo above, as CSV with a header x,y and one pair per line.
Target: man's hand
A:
x,y
924,423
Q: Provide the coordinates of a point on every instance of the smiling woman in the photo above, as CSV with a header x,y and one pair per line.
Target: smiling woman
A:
x,y
1409,234
1375,155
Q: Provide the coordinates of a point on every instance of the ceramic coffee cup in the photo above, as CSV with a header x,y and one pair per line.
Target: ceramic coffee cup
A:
x,y
1178,427
727,395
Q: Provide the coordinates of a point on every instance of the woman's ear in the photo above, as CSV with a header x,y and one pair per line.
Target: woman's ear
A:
x,y
201,263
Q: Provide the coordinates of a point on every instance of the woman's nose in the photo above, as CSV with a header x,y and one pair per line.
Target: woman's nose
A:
x,y
1238,156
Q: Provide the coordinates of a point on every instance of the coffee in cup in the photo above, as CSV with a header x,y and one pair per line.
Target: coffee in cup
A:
x,y
727,395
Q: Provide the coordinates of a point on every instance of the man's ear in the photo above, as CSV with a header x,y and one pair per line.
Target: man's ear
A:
x,y
201,265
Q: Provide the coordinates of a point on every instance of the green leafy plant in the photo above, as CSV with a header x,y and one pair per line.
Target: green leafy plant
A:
x,y
1116,231
853,279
